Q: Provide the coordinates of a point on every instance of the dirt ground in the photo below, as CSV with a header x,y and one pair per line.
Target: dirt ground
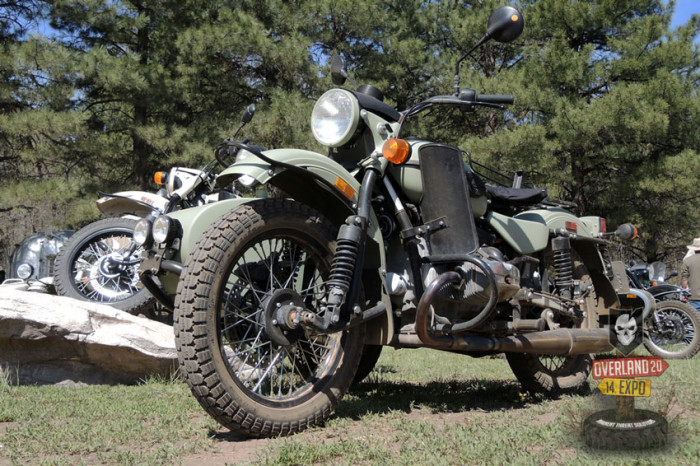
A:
x,y
236,449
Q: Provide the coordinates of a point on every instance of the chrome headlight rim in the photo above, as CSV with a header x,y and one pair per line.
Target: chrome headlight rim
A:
x,y
24,271
161,229
142,232
335,118
165,229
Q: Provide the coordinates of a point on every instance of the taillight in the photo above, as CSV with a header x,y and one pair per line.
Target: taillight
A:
x,y
603,225
571,226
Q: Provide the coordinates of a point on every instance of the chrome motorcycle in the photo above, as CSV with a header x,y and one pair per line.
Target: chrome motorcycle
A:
x,y
101,262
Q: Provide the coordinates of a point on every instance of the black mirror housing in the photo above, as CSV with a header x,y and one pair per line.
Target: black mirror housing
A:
x,y
505,24
626,231
248,114
338,72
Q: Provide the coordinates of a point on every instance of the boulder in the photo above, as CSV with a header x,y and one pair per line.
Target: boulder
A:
x,y
46,339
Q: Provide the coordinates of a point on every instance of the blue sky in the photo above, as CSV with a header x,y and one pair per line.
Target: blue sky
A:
x,y
684,10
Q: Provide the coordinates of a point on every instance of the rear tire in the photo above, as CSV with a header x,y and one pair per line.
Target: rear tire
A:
x,y
227,343
677,337
559,375
370,356
82,269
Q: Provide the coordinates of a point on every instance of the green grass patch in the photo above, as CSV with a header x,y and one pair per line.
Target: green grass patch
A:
x,y
417,407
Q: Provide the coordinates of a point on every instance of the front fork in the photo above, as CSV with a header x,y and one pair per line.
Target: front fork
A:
x,y
343,284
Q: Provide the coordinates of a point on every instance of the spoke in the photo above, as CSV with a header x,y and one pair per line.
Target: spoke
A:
x,y
270,366
265,368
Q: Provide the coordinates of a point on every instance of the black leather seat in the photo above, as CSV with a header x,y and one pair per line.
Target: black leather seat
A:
x,y
507,198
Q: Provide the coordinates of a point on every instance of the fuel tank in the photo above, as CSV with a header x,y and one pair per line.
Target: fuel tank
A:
x,y
408,177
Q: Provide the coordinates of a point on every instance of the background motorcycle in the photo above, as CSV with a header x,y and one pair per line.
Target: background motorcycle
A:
x,y
101,262
382,242
671,331
32,261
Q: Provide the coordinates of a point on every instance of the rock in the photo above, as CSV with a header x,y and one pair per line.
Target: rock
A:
x,y
46,339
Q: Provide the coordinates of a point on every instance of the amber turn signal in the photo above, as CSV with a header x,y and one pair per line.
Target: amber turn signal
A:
x,y
396,151
160,177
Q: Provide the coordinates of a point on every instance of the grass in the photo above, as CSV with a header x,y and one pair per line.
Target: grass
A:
x,y
417,407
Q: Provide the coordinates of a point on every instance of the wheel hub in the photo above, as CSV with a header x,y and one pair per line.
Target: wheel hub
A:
x,y
110,265
281,315
672,330
104,277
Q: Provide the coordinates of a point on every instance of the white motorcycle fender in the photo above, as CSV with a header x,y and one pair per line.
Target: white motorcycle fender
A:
x,y
139,203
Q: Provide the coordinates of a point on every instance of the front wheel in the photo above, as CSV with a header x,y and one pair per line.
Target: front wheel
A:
x,y
249,371
95,265
672,331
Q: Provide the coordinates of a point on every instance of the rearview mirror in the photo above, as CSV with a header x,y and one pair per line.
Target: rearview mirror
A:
x,y
505,24
338,72
626,231
248,114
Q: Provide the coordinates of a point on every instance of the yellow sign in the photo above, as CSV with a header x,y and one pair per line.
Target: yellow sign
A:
x,y
625,387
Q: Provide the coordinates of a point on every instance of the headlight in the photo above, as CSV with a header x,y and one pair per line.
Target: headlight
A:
x,y
335,118
142,232
24,271
161,229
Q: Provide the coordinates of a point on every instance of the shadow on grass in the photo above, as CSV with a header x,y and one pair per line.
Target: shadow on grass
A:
x,y
438,396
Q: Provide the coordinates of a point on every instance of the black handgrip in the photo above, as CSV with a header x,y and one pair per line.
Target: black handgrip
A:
x,y
495,98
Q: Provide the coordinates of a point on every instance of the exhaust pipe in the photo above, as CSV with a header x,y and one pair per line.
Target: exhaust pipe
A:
x,y
557,342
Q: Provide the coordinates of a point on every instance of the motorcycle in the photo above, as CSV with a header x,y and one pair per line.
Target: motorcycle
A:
x,y
101,262
383,242
671,331
32,261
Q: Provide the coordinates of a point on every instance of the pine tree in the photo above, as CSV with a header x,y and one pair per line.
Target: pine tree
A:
x,y
606,114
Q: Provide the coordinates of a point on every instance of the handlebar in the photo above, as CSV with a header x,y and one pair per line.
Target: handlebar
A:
x,y
467,99
470,95
496,98
226,149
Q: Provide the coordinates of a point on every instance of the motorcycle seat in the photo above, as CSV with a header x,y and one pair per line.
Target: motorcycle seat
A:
x,y
514,197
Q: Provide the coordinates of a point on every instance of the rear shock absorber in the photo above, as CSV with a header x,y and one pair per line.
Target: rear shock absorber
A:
x,y
561,247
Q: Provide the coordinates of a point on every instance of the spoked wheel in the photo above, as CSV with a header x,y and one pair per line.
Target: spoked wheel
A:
x,y
248,361
95,264
554,375
672,331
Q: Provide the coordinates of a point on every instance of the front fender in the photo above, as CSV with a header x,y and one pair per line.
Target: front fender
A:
x,y
318,182
131,202
325,168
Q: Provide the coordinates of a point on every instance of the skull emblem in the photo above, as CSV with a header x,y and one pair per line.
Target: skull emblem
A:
x,y
626,328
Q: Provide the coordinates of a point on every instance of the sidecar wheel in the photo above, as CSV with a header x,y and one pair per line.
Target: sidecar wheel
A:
x,y
551,375
240,368
82,269
678,337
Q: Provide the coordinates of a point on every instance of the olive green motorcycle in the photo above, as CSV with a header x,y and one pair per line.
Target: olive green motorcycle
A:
x,y
283,302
